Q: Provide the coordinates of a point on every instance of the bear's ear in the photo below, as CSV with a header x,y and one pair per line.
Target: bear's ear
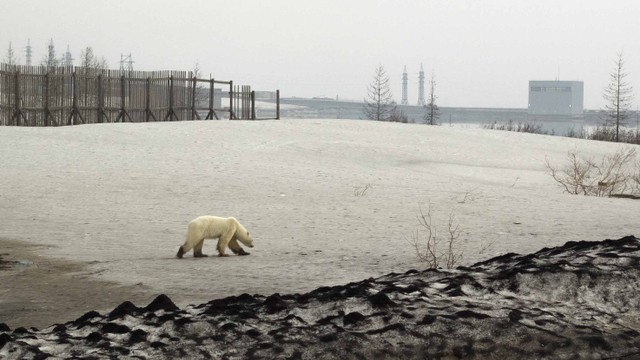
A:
x,y
247,233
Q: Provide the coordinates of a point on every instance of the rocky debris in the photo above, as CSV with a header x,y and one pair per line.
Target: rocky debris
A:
x,y
6,264
579,300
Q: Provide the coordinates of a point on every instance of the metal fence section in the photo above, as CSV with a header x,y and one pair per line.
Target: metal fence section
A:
x,y
56,96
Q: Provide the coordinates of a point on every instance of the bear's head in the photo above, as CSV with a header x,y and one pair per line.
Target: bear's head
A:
x,y
243,236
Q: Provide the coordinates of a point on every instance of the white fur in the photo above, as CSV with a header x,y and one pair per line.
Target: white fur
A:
x,y
228,231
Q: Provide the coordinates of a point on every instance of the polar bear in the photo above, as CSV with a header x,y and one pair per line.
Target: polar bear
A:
x,y
228,231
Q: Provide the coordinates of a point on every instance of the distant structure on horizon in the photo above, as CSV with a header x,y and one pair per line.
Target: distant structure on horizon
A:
x,y
405,79
421,101
126,62
559,98
28,52
67,59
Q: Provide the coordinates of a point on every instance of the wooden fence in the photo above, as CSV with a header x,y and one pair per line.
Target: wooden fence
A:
x,y
55,96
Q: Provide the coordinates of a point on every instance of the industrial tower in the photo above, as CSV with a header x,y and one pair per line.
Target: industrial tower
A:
x,y
421,101
67,59
28,52
405,78
126,62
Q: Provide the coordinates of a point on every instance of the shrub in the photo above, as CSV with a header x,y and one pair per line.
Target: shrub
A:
x,y
608,133
613,174
427,244
531,128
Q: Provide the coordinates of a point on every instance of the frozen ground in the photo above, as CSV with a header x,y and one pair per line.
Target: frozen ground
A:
x,y
119,197
577,301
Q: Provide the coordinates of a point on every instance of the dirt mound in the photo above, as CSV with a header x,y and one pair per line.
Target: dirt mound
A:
x,y
579,300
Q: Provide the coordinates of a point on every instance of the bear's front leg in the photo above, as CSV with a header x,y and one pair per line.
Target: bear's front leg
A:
x,y
236,248
223,242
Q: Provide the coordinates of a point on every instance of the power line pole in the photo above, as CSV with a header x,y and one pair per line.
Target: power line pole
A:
x,y
126,62
28,52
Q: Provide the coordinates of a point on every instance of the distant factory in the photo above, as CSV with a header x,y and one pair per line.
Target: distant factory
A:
x,y
556,98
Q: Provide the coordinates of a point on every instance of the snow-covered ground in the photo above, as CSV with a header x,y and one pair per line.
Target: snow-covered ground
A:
x,y
119,197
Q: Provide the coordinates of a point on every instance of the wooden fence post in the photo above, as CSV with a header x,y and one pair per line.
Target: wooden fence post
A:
x,y
231,116
212,94
147,100
170,114
122,113
242,99
46,99
17,112
194,113
75,113
277,104
253,105
247,102
100,101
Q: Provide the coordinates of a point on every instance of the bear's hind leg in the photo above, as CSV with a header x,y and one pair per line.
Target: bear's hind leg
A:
x,y
197,250
236,248
180,253
188,245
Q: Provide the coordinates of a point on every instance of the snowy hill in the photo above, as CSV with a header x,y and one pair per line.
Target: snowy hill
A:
x,y
116,198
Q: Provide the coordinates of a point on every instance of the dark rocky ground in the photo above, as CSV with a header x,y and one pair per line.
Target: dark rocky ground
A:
x,y
580,300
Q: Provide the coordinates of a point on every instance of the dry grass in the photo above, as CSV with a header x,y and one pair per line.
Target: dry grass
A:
x,y
613,174
427,243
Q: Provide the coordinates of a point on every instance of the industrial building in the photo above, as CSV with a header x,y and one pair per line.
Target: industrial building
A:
x,y
556,98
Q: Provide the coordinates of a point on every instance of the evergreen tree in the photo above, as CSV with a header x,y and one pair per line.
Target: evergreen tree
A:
x,y
432,111
618,95
10,57
379,104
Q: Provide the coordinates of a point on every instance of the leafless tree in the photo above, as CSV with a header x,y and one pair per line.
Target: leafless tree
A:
x,y
202,96
432,111
379,104
87,58
618,95
90,62
426,243
609,176
636,177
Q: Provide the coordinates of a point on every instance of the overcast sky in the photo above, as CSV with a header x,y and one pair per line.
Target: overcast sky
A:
x,y
483,53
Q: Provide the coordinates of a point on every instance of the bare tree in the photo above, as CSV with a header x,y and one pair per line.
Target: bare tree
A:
x,y
618,95
379,104
202,95
609,176
10,57
636,177
432,111
102,63
90,62
428,244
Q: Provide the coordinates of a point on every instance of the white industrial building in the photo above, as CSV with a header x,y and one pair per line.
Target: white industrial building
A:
x,y
556,98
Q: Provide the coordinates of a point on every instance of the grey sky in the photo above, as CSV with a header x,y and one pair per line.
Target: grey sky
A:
x,y
483,53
